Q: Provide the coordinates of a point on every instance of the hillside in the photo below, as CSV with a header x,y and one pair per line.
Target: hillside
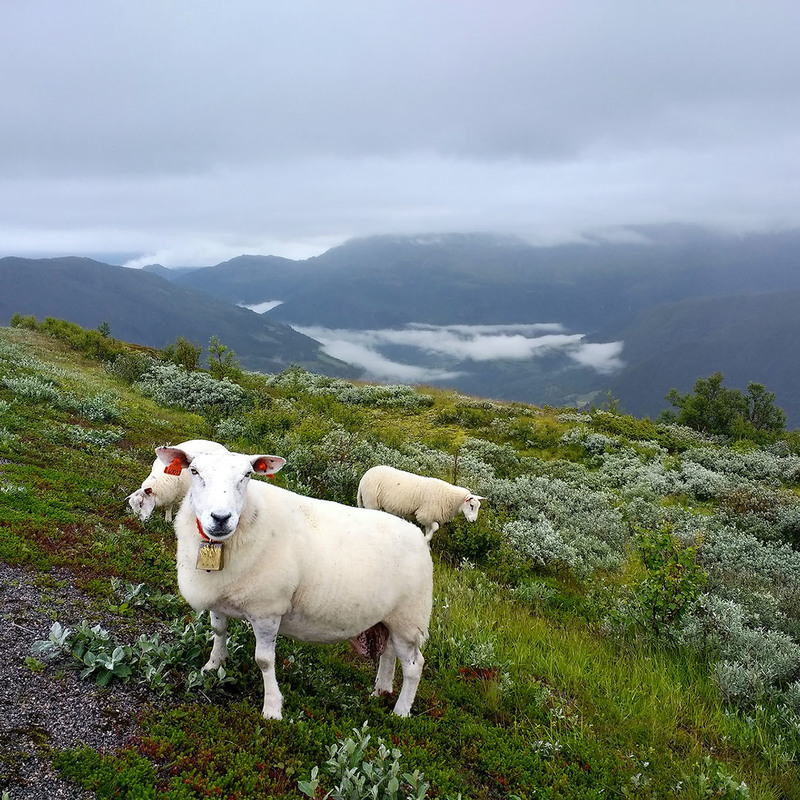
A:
x,y
621,620
437,309
631,292
148,310
746,337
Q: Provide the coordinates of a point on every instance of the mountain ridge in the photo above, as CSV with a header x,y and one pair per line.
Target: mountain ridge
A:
x,y
146,309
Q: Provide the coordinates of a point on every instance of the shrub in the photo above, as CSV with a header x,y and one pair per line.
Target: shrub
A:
x,y
552,521
33,388
130,366
672,579
96,438
183,354
297,381
91,343
753,662
171,385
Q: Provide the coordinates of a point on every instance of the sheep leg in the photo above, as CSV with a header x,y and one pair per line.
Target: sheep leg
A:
x,y
430,530
219,652
411,662
385,677
266,632
168,513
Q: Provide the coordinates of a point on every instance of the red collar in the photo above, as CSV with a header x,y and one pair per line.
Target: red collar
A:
x,y
201,531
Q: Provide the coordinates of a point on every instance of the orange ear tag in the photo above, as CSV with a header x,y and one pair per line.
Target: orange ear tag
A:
x,y
174,468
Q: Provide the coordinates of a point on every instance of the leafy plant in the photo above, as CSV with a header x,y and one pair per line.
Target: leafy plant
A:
x,y
359,771
671,583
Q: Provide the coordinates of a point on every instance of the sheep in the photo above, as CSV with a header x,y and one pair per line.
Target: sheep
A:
x,y
310,569
165,487
428,500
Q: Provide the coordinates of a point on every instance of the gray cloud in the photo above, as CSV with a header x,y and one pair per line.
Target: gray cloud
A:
x,y
192,133
454,344
604,357
262,308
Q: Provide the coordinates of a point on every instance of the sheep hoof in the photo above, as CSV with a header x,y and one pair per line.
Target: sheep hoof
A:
x,y
271,713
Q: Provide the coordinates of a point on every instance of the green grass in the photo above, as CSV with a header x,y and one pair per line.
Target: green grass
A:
x,y
526,699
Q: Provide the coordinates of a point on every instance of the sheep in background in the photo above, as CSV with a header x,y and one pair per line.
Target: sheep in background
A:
x,y
310,569
165,487
430,501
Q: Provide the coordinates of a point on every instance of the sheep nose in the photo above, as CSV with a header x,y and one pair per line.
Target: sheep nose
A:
x,y
220,519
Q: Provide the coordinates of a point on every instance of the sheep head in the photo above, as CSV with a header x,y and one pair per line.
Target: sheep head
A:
x,y
218,490
471,506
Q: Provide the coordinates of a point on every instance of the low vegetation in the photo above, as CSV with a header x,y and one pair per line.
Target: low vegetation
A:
x,y
623,619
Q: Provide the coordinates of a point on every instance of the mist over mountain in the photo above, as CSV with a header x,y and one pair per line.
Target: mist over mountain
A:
x,y
662,306
483,279
651,309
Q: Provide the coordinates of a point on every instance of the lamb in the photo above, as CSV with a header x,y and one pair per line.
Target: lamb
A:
x,y
310,569
428,500
165,487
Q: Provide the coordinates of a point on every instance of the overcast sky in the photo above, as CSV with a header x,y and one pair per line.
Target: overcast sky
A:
x,y
187,132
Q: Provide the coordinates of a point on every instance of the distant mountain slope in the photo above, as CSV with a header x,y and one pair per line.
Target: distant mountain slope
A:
x,y
146,309
746,337
472,279
685,303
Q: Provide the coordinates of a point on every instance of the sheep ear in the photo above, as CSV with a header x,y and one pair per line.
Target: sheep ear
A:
x,y
267,465
175,459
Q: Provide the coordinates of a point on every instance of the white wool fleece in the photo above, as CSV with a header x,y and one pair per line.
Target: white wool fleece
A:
x,y
310,569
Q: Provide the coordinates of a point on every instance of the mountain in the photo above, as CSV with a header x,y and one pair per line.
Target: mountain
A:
x,y
483,279
684,302
147,309
749,338
681,303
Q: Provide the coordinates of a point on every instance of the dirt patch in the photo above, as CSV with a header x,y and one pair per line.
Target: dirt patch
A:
x,y
52,708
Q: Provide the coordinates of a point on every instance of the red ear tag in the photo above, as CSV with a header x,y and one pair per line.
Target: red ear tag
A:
x,y
173,468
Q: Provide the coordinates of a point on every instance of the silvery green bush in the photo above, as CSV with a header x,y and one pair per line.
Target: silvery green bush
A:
x,y
298,381
130,367
32,388
592,442
360,771
495,457
170,385
539,541
100,407
553,520
703,483
96,438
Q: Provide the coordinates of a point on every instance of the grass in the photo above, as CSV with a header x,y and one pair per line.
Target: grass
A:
x,y
517,698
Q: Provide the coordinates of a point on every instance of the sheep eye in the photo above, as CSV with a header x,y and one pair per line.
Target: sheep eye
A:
x,y
193,471
148,490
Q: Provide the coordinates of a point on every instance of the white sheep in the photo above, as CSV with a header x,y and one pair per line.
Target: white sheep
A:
x,y
165,487
310,569
428,500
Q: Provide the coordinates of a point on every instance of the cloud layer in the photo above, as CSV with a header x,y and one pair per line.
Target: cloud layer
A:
x,y
190,133
456,344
